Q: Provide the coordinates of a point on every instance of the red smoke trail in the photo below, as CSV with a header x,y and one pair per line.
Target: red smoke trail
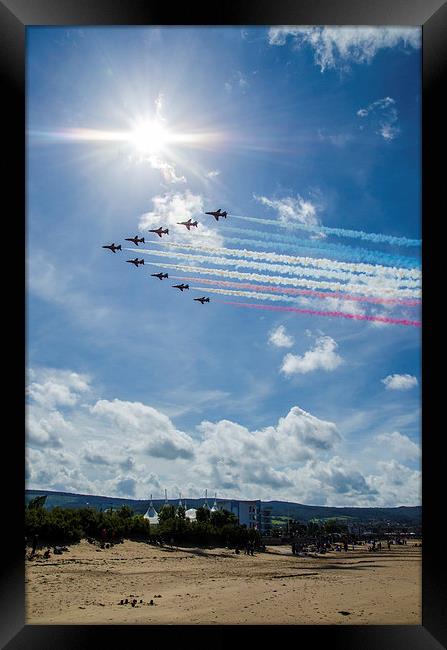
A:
x,y
313,312
305,292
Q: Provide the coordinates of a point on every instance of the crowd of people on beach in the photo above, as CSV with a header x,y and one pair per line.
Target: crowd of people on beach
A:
x,y
320,546
35,545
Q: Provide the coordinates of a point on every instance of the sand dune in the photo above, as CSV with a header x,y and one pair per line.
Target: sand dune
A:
x,y
86,584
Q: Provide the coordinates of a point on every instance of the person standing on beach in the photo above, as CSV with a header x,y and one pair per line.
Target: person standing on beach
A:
x,y
35,543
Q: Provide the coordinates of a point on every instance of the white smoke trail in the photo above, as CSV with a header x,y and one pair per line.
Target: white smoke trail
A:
x,y
284,281
321,263
248,294
338,232
291,243
265,296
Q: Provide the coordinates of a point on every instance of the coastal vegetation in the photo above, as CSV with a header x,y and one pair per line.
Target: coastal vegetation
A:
x,y
70,525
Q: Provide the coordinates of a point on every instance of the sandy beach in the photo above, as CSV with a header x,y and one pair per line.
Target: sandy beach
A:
x,y
194,586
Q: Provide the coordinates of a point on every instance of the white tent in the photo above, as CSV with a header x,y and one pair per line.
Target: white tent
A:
x,y
151,514
215,506
191,514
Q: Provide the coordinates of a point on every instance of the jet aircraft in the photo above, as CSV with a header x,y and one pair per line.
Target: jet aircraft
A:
x,y
160,231
136,261
180,286
136,240
202,300
160,276
218,213
113,248
188,223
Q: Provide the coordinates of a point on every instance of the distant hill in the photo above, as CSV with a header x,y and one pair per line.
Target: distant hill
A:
x,y
403,514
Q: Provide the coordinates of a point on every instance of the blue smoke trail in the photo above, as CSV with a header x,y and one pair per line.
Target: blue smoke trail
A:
x,y
348,253
337,232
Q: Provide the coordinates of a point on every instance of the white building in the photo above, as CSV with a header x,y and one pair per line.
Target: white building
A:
x,y
247,512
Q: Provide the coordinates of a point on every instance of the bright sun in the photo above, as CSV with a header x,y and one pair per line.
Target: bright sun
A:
x,y
149,137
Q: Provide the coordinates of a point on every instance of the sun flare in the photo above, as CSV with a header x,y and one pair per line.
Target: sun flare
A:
x,y
149,137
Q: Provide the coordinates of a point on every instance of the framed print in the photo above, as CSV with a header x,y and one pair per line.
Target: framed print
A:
x,y
227,227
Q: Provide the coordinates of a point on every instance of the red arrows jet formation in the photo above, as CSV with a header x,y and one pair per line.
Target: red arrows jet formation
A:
x,y
165,231
188,223
113,248
160,231
136,240
136,261
218,213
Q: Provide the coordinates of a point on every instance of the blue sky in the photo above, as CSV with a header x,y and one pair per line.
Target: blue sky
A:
x,y
134,387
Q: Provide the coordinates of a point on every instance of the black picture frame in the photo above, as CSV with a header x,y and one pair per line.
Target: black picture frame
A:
x,y
15,17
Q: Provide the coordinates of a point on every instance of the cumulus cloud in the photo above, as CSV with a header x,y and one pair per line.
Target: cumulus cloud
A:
x,y
399,382
322,356
341,477
96,458
342,482
46,430
213,173
132,449
400,445
126,487
382,115
57,387
396,484
232,450
171,208
279,337
154,432
293,209
339,47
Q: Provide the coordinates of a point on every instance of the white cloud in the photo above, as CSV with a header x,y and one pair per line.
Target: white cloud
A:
x,y
293,209
121,448
337,139
338,47
44,430
396,484
383,116
400,445
234,457
150,431
238,81
126,486
168,171
57,387
321,356
400,382
171,208
340,476
213,173
280,338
